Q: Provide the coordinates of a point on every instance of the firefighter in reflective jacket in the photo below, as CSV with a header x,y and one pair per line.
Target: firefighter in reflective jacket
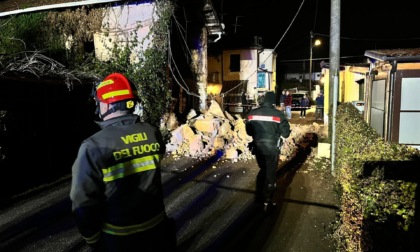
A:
x,y
267,126
116,189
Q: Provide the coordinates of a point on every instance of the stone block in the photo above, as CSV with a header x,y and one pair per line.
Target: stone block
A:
x,y
323,150
206,125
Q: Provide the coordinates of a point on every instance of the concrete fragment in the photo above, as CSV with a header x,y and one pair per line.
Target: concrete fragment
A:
x,y
187,132
206,125
215,109
205,134
196,145
231,153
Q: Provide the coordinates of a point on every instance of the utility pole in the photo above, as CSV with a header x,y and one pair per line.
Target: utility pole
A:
x,y
334,77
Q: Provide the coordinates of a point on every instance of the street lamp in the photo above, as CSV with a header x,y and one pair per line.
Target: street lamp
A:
x,y
311,45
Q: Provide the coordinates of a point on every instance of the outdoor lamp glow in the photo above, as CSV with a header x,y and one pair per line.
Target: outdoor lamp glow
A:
x,y
311,45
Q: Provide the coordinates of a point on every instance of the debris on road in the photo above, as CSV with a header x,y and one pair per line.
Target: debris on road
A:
x,y
203,135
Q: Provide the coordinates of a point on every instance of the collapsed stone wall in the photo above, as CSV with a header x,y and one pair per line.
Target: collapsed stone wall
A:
x,y
205,134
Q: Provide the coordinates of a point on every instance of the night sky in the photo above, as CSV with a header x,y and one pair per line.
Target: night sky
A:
x,y
365,25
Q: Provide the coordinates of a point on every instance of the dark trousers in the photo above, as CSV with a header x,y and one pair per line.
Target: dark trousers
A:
x,y
303,112
266,177
319,113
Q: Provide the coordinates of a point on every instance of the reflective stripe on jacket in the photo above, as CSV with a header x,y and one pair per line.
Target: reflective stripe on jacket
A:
x,y
93,239
122,170
128,230
266,124
116,179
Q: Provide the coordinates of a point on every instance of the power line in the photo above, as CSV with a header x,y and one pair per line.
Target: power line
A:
x,y
372,39
316,59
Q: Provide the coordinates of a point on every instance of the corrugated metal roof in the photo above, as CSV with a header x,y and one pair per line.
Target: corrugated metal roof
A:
x,y
232,86
407,55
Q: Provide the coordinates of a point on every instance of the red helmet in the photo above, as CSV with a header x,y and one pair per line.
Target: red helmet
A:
x,y
114,88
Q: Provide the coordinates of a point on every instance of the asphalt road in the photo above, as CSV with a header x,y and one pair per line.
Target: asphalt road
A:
x,y
212,202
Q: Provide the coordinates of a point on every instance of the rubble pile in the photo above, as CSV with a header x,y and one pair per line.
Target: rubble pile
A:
x,y
297,135
213,131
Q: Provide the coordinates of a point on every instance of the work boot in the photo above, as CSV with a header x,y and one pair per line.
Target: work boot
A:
x,y
269,206
268,193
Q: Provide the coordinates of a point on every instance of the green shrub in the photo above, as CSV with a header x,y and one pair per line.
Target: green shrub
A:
x,y
374,199
63,36
23,33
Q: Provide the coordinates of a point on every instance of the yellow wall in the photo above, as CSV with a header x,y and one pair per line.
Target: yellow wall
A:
x,y
214,69
248,68
352,88
348,88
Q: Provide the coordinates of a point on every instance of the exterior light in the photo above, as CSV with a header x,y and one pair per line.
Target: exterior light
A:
x,y
311,45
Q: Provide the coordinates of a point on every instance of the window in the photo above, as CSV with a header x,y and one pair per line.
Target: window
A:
x,y
235,65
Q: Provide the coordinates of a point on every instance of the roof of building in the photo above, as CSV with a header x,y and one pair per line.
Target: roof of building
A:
x,y
406,55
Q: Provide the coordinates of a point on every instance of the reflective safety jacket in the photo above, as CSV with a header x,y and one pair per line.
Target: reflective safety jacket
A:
x,y
116,179
266,124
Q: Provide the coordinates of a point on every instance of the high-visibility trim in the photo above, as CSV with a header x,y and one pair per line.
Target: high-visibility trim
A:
x,y
130,167
104,83
128,230
115,93
275,119
93,239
